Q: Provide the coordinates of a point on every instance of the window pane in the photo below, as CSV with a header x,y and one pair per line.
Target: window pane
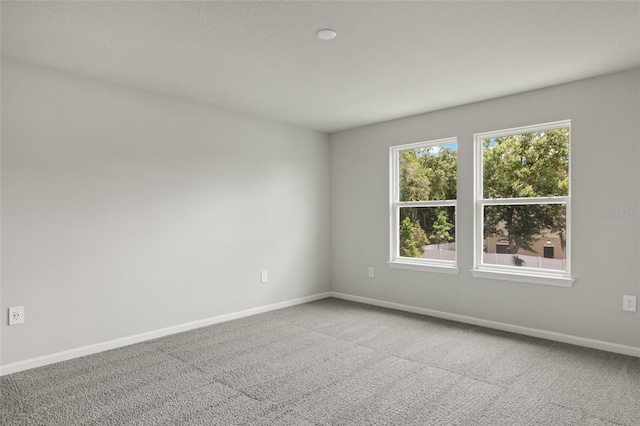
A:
x,y
532,236
526,165
428,173
428,232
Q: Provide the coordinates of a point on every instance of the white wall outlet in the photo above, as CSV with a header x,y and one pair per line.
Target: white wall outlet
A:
x,y
371,272
629,303
16,315
263,277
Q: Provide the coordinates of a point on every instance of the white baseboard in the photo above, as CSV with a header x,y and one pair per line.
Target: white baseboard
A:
x,y
549,335
125,341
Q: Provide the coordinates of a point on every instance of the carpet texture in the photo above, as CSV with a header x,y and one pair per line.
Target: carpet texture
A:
x,y
332,362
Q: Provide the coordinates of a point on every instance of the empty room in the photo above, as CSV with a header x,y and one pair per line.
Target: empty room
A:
x,y
320,213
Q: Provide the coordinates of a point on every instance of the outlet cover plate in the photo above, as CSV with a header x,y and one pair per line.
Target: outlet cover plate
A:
x,y
629,303
16,315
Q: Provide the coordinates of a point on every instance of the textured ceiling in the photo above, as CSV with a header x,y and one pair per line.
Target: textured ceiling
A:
x,y
390,59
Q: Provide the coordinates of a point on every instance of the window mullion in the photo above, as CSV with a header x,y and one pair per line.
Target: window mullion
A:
x,y
438,203
523,201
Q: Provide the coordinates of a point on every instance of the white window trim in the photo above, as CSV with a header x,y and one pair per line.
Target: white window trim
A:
x,y
395,260
513,273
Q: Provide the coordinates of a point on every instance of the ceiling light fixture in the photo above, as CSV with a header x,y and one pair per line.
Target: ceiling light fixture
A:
x,y
326,34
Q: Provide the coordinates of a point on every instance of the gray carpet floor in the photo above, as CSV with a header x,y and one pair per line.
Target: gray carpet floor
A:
x,y
332,362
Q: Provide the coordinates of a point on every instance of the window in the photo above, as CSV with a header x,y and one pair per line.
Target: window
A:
x,y
523,204
423,205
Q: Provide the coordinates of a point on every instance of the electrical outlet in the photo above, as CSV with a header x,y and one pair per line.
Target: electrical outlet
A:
x,y
16,315
629,303
371,272
263,277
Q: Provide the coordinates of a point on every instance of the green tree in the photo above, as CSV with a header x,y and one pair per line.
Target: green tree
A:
x,y
440,229
520,166
441,169
414,182
408,246
419,236
428,174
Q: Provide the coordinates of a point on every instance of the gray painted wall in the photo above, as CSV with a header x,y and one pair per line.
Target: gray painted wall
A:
x,y
124,211
605,174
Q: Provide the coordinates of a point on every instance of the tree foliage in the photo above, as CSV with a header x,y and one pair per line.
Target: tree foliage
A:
x,y
526,165
427,174
414,180
408,245
419,236
440,229
521,166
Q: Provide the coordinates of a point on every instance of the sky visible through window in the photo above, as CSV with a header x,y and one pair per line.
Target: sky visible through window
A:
x,y
435,150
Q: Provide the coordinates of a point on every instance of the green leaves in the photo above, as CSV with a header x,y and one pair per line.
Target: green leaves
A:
x,y
525,177
426,174
408,245
527,165
440,229
414,180
429,225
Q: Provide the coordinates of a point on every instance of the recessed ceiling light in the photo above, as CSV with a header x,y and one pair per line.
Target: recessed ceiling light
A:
x,y
326,34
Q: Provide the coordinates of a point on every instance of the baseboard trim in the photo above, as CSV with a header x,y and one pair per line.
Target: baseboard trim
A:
x,y
533,332
125,341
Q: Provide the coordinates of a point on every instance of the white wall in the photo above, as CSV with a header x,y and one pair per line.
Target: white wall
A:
x,y
124,211
605,116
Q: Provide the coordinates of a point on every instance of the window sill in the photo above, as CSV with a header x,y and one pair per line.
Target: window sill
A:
x,y
552,280
447,268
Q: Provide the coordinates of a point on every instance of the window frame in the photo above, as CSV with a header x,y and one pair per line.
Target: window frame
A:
x,y
395,260
562,278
